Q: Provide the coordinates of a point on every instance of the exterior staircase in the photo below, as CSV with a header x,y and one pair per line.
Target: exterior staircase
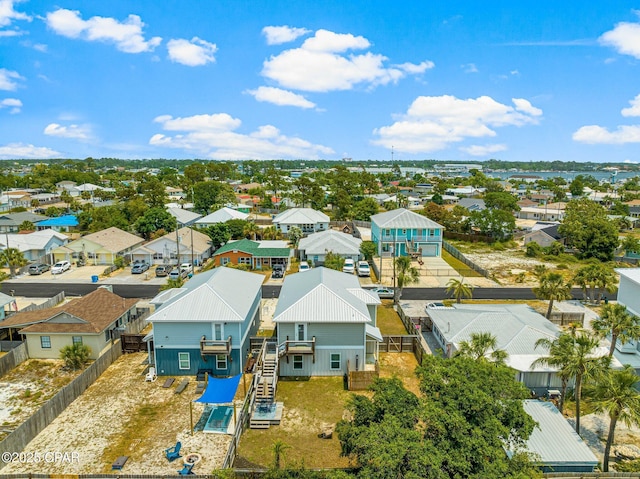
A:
x,y
266,380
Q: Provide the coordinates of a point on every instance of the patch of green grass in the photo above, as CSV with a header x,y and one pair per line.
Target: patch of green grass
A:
x,y
459,266
309,406
388,320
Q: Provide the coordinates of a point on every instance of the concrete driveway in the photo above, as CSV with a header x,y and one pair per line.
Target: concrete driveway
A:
x,y
84,274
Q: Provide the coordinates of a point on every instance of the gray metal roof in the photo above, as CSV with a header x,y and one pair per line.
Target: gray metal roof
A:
x,y
330,240
554,441
300,216
222,294
516,327
182,216
323,295
222,216
403,218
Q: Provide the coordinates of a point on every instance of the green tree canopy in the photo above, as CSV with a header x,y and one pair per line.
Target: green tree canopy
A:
x,y
219,234
236,228
333,261
13,258
552,287
155,219
368,249
588,229
364,209
209,196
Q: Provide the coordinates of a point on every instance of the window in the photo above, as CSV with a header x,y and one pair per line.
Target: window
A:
x,y
244,260
224,261
221,361
297,362
387,232
404,232
335,360
107,335
158,256
184,361
217,332
45,342
76,340
301,332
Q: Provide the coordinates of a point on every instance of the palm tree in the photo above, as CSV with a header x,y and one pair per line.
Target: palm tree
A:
x,y
552,288
615,393
76,355
278,448
480,346
584,365
271,233
13,258
595,278
251,230
560,350
458,289
405,275
617,322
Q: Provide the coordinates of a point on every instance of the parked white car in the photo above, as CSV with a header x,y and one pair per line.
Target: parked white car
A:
x,y
304,266
363,269
383,292
349,266
186,267
60,267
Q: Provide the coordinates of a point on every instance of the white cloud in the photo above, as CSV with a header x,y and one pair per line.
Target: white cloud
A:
x,y
194,52
126,35
525,106
470,68
19,151
594,134
434,122
280,97
41,47
624,38
634,109
8,79
214,136
11,33
483,150
283,34
321,64
77,132
8,14
13,104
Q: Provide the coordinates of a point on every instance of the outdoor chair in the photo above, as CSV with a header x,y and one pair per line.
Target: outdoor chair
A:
x,y
186,470
173,453
151,375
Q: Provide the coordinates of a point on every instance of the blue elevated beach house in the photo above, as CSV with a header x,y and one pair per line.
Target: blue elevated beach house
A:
x,y
411,233
206,324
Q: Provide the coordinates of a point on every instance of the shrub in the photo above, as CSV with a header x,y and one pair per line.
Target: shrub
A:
x,y
120,262
562,266
533,250
75,356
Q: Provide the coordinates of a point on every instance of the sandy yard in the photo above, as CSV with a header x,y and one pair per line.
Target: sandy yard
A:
x,y
508,267
122,415
26,387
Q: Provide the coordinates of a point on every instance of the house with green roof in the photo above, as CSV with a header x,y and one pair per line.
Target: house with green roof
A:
x,y
255,254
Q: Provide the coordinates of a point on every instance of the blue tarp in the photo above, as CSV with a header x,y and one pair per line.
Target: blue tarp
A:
x,y
66,220
220,390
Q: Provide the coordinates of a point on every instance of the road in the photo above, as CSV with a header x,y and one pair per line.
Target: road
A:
x,y
49,289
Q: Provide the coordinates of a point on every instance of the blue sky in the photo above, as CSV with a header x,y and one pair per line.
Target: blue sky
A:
x,y
235,79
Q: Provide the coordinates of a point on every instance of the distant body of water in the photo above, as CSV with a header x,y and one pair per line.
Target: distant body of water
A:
x,y
567,175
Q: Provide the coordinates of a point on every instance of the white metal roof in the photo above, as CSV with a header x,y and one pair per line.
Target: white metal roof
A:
x,y
222,294
322,295
403,218
221,216
183,216
373,332
300,216
330,240
554,441
633,274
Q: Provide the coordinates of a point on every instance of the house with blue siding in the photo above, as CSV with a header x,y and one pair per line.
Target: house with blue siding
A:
x,y
326,324
206,324
411,233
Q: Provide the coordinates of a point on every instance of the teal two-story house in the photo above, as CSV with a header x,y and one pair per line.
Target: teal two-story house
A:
x,y
206,324
326,324
402,232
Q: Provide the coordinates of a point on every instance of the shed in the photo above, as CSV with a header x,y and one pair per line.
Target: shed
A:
x,y
554,443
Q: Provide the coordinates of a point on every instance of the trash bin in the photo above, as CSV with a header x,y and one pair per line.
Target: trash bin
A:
x,y
94,278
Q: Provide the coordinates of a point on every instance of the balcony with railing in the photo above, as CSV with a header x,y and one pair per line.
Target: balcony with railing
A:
x,y
291,347
215,347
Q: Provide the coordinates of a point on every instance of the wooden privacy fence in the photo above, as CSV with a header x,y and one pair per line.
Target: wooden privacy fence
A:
x,y
49,303
403,344
13,358
565,318
361,380
23,434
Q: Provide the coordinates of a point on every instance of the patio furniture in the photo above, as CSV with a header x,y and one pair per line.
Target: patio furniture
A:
x,y
173,453
186,470
119,463
182,386
168,382
151,375
200,387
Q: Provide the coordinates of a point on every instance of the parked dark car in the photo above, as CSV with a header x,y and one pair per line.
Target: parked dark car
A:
x,y
278,271
162,271
38,268
139,268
